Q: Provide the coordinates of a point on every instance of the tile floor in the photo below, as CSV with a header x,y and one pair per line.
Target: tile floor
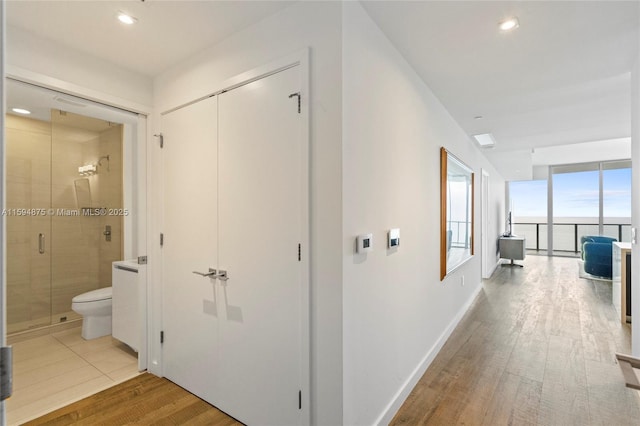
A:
x,y
54,370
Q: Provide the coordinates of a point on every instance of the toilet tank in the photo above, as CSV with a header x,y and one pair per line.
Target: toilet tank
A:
x,y
126,303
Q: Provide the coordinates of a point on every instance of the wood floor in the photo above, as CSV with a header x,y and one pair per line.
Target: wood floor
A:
x,y
536,348
144,400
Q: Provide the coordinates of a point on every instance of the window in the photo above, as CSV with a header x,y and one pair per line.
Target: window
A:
x,y
616,200
588,199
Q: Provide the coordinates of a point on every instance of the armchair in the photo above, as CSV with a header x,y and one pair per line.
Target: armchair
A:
x,y
596,254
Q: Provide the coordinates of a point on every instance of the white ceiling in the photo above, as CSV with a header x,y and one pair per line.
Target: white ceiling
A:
x,y
562,78
167,31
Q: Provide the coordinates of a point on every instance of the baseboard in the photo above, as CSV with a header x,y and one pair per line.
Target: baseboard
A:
x,y
497,264
392,408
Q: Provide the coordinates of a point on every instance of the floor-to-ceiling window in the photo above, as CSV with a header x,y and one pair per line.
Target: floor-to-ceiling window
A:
x,y
576,205
587,199
616,200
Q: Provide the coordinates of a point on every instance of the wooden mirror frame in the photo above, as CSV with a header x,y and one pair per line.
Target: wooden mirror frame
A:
x,y
444,202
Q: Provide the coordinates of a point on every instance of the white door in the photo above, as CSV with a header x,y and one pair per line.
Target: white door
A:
x,y
236,343
260,213
190,317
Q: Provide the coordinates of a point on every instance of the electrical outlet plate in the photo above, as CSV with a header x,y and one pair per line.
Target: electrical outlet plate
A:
x,y
364,243
393,238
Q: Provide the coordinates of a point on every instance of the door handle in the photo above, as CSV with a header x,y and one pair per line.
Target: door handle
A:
x,y
41,243
211,273
222,275
107,233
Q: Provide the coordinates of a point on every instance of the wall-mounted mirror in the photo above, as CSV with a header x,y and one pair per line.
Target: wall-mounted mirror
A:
x,y
456,213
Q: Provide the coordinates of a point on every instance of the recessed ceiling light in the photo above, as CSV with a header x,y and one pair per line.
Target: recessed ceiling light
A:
x,y
509,24
126,19
478,117
21,111
485,139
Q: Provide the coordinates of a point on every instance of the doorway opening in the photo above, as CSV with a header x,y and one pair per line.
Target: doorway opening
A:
x,y
66,161
71,210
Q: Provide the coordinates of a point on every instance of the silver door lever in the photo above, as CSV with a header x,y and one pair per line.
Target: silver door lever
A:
x,y
222,275
211,273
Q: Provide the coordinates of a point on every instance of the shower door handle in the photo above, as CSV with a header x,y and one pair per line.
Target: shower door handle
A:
x,y
211,273
41,243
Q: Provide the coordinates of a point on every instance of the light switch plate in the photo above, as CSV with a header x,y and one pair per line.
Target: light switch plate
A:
x,y
393,238
364,243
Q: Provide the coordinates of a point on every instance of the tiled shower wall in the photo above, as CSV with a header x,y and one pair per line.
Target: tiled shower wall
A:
x,y
42,168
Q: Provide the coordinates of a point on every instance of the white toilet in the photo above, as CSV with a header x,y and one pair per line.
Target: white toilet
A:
x,y
95,308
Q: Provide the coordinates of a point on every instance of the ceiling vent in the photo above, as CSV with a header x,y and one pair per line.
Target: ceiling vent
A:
x,y
69,101
485,140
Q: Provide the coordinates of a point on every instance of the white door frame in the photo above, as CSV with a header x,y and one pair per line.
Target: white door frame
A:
x,y
301,59
3,234
487,266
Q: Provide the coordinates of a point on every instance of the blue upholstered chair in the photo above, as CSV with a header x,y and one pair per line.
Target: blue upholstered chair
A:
x,y
596,253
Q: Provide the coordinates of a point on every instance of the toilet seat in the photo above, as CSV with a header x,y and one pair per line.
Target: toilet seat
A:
x,y
93,296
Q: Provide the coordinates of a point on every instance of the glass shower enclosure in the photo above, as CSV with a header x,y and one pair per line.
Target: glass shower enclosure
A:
x,y
64,205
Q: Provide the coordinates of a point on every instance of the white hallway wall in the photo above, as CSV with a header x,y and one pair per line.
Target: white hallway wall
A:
x,y
306,24
397,312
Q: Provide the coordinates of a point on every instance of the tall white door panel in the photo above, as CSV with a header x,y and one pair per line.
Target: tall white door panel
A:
x,y
190,315
235,187
260,217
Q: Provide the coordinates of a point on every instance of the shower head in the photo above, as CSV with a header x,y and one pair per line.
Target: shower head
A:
x,y
104,157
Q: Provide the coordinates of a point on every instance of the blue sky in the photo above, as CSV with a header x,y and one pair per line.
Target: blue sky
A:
x,y
575,195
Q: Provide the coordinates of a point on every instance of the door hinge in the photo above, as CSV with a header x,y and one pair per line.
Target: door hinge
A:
x,y
299,253
160,137
299,98
162,337
161,240
300,400
6,372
